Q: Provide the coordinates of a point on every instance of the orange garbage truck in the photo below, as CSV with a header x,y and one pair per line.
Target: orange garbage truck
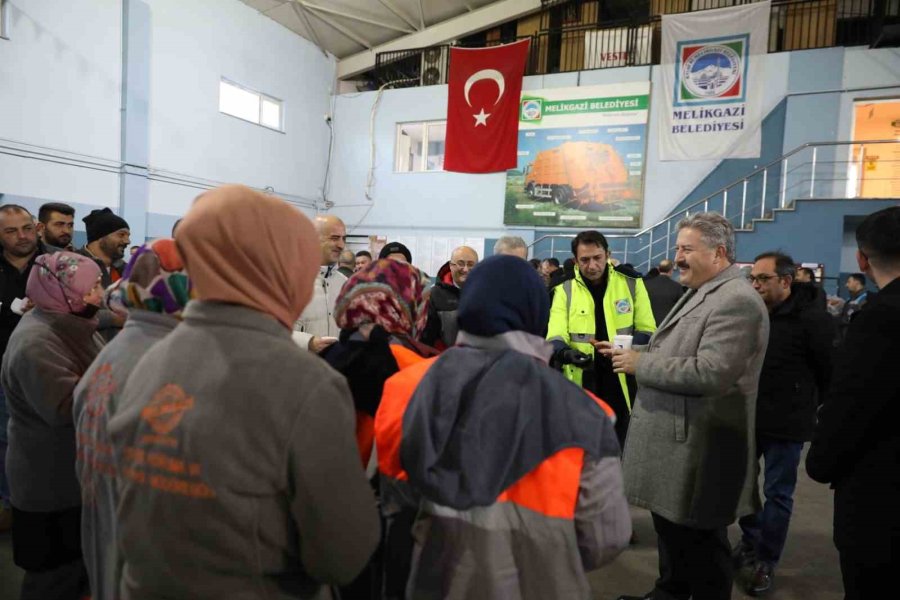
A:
x,y
582,175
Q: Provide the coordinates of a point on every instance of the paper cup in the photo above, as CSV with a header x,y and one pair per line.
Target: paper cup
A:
x,y
622,341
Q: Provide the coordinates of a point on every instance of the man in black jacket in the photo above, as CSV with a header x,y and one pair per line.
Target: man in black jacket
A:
x,y
856,444
441,329
19,247
664,292
794,374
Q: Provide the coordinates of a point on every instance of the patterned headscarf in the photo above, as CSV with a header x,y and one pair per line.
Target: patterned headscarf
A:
x,y
59,282
388,293
154,280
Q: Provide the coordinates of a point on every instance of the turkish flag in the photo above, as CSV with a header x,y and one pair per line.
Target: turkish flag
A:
x,y
483,108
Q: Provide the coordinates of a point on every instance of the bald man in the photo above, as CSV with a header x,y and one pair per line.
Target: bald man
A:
x,y
441,329
316,329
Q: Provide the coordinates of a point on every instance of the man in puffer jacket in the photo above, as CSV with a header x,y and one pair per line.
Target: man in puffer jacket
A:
x,y
514,469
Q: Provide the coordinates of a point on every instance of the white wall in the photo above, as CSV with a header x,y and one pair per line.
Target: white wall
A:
x,y
196,43
60,86
473,204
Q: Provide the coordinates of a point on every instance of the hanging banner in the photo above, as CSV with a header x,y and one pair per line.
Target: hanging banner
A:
x,y
581,157
713,84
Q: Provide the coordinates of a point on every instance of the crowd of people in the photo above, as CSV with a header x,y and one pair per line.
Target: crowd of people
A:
x,y
248,409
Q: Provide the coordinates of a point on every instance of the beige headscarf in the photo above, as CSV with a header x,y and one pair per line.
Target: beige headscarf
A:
x,y
245,247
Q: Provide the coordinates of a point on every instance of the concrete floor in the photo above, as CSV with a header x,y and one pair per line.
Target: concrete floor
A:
x,y
808,571
809,568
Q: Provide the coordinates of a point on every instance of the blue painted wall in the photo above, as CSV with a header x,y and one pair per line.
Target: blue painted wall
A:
x,y
812,233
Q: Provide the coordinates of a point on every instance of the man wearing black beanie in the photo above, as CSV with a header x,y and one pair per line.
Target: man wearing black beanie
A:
x,y
108,236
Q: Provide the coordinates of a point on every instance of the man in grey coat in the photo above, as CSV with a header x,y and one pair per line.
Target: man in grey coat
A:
x,y
689,457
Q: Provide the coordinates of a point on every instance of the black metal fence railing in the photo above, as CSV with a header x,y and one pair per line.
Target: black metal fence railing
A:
x,y
794,25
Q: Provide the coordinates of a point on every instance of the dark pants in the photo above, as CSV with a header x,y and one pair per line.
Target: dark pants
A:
x,y
48,546
4,423
692,562
867,577
767,530
65,582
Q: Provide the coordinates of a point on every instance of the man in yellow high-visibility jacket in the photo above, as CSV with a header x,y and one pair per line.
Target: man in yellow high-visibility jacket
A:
x,y
598,304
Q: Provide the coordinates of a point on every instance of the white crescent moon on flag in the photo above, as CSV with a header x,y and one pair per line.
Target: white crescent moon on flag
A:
x,y
486,74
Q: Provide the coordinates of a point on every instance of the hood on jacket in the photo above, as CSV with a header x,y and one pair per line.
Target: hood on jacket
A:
x,y
504,293
481,420
444,275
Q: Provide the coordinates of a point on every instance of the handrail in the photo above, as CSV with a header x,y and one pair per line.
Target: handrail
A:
x,y
757,171
712,196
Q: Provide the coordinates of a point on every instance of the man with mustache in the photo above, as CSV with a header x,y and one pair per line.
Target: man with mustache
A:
x,y
108,237
690,457
55,224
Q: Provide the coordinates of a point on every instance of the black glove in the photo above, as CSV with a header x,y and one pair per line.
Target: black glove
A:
x,y
570,356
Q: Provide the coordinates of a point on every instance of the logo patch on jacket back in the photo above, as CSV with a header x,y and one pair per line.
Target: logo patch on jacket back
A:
x,y
623,306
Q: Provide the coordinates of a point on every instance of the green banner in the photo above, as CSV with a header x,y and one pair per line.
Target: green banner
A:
x,y
534,109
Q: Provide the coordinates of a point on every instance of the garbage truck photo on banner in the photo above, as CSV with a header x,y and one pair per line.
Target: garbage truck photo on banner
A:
x,y
581,157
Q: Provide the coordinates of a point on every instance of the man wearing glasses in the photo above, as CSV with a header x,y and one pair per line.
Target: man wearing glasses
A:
x,y
316,329
441,329
795,375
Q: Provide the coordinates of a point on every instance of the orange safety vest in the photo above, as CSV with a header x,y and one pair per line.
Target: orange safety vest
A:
x,y
550,489
365,423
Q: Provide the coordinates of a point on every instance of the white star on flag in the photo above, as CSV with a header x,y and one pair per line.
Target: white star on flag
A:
x,y
481,118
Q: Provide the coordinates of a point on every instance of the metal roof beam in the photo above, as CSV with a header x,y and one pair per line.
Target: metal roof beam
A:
x,y
388,5
421,16
440,33
312,32
352,17
339,28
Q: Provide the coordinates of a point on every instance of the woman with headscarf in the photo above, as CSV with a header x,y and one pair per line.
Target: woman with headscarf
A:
x,y
238,471
381,310
151,295
48,353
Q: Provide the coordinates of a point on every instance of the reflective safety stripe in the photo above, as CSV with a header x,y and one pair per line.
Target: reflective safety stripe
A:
x,y
632,286
625,330
582,338
567,287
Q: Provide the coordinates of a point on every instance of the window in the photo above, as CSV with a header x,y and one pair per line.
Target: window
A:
x,y
420,146
248,105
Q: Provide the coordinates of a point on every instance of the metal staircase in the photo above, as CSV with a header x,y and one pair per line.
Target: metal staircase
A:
x,y
818,171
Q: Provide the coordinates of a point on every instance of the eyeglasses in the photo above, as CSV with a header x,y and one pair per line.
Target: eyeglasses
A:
x,y
761,278
462,264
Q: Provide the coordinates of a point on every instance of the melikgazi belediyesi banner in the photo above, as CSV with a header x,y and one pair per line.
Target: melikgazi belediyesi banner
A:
x,y
581,157
712,73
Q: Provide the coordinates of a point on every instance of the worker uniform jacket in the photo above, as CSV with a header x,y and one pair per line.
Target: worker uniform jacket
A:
x,y
572,321
514,471
690,455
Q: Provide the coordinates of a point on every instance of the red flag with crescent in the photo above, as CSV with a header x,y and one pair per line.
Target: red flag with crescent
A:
x,y
483,108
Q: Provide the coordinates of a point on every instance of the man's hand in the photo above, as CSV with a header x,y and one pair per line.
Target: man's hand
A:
x,y
623,361
318,344
570,356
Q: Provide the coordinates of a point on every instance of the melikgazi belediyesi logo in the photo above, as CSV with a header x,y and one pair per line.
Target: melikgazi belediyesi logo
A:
x,y
711,71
